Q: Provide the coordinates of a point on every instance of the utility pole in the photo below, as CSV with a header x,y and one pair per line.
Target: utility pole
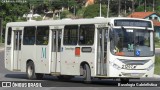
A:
x,y
1,28
74,10
145,6
153,5
108,8
100,7
125,11
68,4
119,8
132,6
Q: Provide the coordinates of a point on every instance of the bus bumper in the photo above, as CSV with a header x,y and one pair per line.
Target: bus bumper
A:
x,y
131,73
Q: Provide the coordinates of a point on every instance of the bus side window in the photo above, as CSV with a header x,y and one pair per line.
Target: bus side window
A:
x,y
86,34
29,36
9,36
42,35
70,35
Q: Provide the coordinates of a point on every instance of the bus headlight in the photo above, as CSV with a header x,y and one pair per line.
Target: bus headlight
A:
x,y
115,66
150,67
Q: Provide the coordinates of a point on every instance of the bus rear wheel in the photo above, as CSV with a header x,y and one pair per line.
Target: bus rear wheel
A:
x,y
86,74
30,70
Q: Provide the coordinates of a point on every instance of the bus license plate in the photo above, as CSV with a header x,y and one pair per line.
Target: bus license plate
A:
x,y
129,66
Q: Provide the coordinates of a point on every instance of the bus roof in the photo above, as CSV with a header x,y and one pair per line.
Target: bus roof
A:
x,y
58,22
62,22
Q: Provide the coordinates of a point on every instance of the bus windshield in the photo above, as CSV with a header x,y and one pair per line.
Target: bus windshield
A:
x,y
132,42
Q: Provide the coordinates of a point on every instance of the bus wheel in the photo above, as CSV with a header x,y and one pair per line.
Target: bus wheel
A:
x,y
39,76
86,74
30,70
124,80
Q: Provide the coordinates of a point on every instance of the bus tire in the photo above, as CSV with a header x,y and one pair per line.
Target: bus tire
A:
x,y
86,74
124,80
39,76
30,70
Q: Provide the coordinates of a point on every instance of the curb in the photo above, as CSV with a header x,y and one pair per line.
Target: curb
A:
x,y
156,76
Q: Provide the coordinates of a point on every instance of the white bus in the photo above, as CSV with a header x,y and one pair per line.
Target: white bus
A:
x,y
120,48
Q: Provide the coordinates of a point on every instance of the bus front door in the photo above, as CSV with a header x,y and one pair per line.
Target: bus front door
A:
x,y
17,34
102,51
56,50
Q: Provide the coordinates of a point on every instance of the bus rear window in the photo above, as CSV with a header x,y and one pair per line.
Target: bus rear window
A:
x,y
9,36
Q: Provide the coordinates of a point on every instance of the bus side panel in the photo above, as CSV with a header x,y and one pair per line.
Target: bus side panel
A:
x,y
28,53
89,57
8,49
69,65
8,58
42,59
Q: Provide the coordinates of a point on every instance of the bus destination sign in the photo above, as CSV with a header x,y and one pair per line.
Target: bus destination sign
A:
x,y
136,23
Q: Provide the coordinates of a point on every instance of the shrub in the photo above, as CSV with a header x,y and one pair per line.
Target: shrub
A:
x,y
156,40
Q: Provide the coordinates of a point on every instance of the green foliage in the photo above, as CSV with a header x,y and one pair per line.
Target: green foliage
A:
x,y
158,9
157,65
57,4
157,60
71,3
11,12
141,9
1,40
149,9
80,12
66,14
156,40
37,18
93,11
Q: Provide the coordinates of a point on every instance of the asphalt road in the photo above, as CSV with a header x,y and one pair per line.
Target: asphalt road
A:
x,y
74,84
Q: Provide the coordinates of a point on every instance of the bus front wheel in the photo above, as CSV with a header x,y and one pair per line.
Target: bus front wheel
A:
x,y
30,70
86,74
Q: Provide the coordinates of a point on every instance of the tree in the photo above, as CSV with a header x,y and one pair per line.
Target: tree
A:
x,y
11,12
158,9
93,11
80,12
66,14
141,9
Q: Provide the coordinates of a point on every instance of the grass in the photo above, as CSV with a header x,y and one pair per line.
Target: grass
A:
x,y
157,42
157,45
157,65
